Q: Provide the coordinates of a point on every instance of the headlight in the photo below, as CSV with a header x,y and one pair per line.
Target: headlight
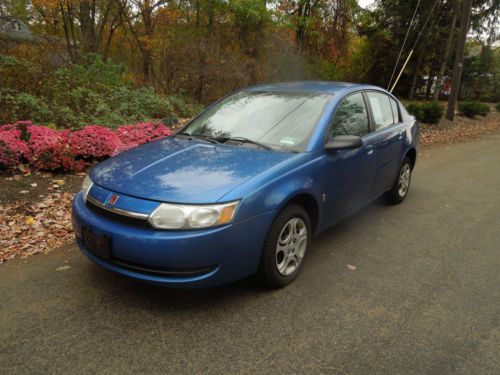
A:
x,y
176,216
86,185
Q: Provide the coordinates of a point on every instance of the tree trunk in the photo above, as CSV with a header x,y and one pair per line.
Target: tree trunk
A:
x,y
444,61
87,27
459,59
147,56
414,78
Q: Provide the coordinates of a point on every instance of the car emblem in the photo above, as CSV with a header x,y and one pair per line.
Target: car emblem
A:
x,y
113,199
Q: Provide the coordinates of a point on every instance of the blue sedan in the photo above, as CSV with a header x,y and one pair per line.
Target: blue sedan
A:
x,y
247,184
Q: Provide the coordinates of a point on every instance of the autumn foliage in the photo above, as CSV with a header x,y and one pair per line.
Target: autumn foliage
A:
x,y
12,148
93,141
49,149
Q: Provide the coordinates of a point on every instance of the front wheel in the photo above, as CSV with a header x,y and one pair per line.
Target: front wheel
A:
x,y
399,190
285,247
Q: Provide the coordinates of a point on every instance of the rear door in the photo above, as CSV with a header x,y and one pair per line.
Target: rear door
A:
x,y
387,138
350,173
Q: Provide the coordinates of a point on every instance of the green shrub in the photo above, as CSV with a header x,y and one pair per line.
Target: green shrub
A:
x,y
182,107
22,106
139,104
471,109
428,112
497,106
415,109
75,95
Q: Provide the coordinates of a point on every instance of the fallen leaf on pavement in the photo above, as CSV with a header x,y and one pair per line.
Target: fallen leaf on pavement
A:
x,y
63,268
351,267
28,228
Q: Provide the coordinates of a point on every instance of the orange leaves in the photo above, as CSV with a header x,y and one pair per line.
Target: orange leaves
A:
x,y
462,129
36,227
168,16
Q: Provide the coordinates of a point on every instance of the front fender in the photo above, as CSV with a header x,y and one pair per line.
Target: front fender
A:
x,y
272,190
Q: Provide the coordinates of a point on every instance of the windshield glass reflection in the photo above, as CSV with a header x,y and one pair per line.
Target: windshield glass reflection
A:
x,y
281,120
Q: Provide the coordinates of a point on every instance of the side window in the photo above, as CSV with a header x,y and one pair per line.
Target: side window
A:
x,y
381,109
351,118
395,112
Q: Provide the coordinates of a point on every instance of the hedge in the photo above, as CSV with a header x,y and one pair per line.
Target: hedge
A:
x,y
44,148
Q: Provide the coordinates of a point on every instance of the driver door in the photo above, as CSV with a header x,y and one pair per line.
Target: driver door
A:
x,y
350,173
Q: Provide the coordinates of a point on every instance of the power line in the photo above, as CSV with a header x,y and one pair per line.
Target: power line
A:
x,y
403,45
412,48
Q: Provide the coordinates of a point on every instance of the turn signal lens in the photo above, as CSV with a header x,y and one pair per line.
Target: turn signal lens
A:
x,y
86,185
227,214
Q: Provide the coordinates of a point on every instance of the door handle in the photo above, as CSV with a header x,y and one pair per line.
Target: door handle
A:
x,y
369,149
400,134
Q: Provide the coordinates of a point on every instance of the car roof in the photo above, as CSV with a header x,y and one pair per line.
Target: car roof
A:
x,y
323,87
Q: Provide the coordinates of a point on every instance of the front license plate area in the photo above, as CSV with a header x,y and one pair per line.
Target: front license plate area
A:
x,y
99,245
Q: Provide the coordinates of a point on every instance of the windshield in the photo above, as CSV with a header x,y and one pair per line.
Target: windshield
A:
x,y
280,120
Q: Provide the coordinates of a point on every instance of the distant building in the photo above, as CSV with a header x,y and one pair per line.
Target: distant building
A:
x,y
13,29
423,83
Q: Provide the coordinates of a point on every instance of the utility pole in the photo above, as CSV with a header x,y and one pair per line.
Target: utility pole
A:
x,y
459,59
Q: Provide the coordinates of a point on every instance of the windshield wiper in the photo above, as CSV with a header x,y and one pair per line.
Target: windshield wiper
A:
x,y
207,139
245,140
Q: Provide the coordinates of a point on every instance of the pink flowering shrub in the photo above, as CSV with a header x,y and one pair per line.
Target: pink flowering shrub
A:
x,y
142,132
57,157
93,141
124,147
12,148
41,141
49,149
8,127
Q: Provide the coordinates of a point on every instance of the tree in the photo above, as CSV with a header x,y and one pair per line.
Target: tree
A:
x,y
457,70
86,24
447,50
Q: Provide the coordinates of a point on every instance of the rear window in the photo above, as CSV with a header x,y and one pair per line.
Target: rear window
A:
x,y
381,109
395,112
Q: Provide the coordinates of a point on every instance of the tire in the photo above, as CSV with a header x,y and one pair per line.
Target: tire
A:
x,y
401,186
285,247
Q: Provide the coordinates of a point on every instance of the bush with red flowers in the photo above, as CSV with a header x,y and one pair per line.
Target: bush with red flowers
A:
x,y
93,141
45,148
142,132
49,149
124,147
12,148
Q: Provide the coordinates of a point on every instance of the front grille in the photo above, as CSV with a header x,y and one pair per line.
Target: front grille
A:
x,y
163,271
132,221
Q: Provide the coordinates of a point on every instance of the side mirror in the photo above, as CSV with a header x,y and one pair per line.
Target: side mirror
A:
x,y
344,142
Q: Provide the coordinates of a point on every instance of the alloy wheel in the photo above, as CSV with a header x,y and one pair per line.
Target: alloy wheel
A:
x,y
404,180
291,246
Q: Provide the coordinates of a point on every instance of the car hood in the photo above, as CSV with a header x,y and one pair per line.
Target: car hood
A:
x,y
183,171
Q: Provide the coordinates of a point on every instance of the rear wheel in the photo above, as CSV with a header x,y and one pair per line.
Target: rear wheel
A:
x,y
285,247
402,184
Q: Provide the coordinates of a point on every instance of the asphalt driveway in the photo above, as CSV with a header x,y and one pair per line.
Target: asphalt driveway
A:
x,y
424,297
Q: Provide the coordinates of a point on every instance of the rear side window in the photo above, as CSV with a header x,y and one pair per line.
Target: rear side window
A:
x,y
351,118
395,112
381,109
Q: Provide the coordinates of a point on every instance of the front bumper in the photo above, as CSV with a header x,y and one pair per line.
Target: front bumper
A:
x,y
204,258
